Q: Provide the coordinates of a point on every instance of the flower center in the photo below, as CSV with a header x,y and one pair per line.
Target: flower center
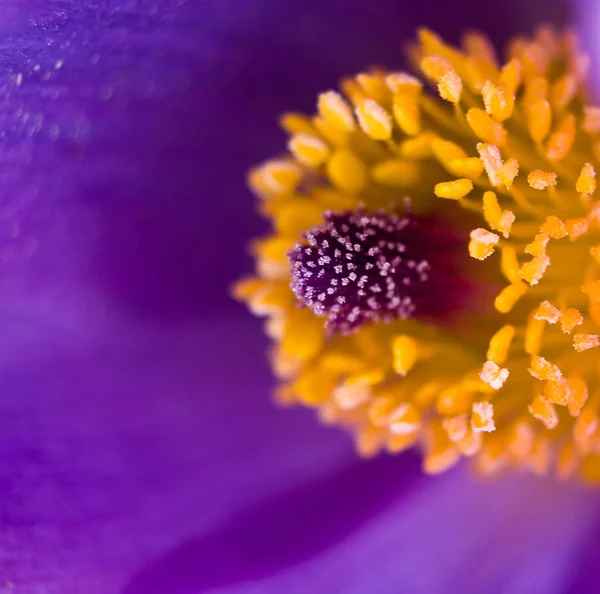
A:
x,y
359,267
512,146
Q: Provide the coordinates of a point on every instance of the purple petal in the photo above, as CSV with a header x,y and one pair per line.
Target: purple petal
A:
x,y
126,445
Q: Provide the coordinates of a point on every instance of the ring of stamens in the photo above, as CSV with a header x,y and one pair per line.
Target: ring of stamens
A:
x,y
513,144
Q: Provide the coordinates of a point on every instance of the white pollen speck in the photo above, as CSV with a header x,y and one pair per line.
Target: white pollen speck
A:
x,y
493,375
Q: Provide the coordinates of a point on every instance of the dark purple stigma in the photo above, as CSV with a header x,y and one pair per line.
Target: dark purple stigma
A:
x,y
360,267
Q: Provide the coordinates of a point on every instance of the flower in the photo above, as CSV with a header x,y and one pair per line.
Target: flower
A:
x,y
513,144
139,453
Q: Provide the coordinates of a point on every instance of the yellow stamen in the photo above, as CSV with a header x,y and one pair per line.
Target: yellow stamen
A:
x,y
543,410
498,219
454,190
583,342
375,121
404,349
541,180
586,182
482,243
335,110
309,149
485,128
500,344
347,171
482,417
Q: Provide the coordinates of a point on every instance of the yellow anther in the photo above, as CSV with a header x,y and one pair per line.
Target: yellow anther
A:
x,y
351,395
585,427
539,118
493,375
407,114
396,173
418,147
540,180
332,134
569,319
470,444
471,167
547,312
374,86
335,109
453,400
456,427
347,171
579,395
380,409
554,228
498,219
368,441
486,128
508,172
446,151
403,83
577,228
313,386
543,410
399,443
499,101
440,453
542,369
374,120
583,342
538,246
434,67
493,456
449,83
500,344
295,123
558,392
520,439
536,88
482,417
276,177
509,264
591,119
509,296
482,243
563,91
455,159
453,190
534,332
492,161
511,75
586,182
309,149
404,353
405,419
480,47
562,139
534,270
450,87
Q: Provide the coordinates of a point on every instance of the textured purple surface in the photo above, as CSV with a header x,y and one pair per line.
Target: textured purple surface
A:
x,y
140,453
